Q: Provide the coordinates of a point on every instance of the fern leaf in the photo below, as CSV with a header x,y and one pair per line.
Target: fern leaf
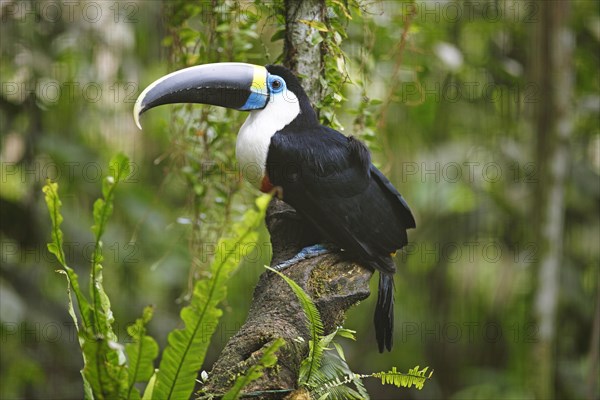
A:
x,y
311,364
150,387
104,358
54,204
107,379
346,333
141,353
187,347
342,392
103,208
87,388
267,360
56,247
335,377
104,372
415,377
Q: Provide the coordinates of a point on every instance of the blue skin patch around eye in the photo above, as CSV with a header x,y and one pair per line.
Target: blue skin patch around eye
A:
x,y
273,78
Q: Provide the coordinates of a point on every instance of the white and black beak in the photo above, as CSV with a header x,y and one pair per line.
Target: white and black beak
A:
x,y
238,86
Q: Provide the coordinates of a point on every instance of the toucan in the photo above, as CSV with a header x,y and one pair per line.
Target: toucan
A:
x,y
327,177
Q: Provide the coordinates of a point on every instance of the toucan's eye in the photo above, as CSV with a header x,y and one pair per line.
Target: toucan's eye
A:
x,y
276,84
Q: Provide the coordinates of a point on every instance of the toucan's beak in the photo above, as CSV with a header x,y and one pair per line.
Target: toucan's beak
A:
x,y
233,85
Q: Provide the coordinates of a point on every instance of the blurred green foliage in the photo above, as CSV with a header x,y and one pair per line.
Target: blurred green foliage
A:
x,y
107,372
457,140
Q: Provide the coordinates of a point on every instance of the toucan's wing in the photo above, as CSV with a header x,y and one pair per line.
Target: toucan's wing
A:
x,y
329,179
402,207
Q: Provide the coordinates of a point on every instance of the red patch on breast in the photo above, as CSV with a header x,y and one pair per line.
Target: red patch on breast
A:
x,y
266,186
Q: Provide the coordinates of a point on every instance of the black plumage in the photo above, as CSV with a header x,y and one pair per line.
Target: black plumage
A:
x,y
329,179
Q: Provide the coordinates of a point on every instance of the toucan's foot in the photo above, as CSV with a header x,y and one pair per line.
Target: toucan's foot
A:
x,y
304,254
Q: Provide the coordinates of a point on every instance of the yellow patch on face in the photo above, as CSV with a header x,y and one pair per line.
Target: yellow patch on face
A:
x,y
259,80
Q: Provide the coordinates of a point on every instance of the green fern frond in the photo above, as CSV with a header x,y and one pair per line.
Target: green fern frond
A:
x,y
414,377
150,387
339,391
336,388
183,356
106,376
103,209
56,247
336,378
104,373
310,365
104,358
140,353
267,360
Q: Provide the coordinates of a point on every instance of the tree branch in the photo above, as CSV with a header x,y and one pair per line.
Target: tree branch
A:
x,y
333,283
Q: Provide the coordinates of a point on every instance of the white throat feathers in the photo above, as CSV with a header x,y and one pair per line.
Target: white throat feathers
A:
x,y
255,135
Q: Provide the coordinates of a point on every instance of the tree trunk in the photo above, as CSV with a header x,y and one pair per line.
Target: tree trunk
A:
x,y
300,55
553,74
333,283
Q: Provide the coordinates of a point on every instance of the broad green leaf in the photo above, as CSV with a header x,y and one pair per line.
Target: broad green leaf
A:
x,y
107,379
150,387
267,360
183,356
140,353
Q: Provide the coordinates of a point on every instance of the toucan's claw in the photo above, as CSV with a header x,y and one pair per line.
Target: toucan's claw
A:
x,y
308,252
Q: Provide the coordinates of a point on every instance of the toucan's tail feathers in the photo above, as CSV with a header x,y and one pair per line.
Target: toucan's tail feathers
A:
x,y
384,312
